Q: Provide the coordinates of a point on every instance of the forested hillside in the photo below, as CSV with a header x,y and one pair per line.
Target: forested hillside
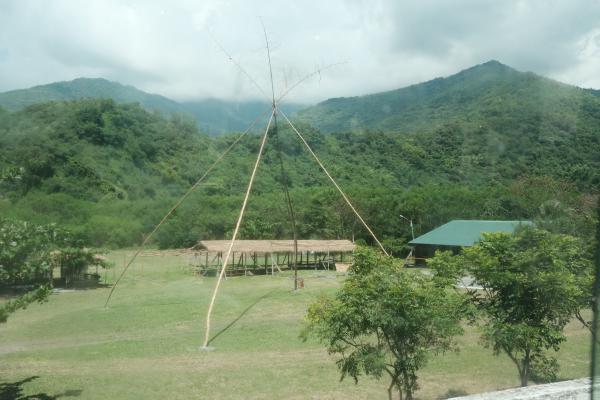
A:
x,y
490,96
110,171
213,116
85,88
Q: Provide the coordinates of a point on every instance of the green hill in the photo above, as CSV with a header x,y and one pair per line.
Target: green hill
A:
x,y
594,92
213,116
514,146
490,94
86,88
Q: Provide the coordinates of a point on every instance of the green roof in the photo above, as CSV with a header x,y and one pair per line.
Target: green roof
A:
x,y
465,233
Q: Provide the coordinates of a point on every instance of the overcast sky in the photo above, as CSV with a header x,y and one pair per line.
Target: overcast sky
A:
x,y
173,47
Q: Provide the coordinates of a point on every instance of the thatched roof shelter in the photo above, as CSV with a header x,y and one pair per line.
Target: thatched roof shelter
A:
x,y
276,246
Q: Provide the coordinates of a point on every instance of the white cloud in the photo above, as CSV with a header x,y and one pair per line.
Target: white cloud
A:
x,y
584,72
165,47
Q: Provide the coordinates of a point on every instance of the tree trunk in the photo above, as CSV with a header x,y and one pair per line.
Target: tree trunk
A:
x,y
391,387
525,369
390,391
408,387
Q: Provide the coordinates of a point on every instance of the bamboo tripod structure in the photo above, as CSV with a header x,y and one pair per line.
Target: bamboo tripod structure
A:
x,y
274,111
242,210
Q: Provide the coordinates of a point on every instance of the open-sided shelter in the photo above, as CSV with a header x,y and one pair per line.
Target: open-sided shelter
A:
x,y
263,256
457,234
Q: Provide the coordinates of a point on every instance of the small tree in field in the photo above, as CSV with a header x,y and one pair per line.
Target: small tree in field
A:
x,y
534,282
28,253
386,320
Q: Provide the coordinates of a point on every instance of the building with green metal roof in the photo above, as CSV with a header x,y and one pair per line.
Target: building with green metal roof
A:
x,y
457,234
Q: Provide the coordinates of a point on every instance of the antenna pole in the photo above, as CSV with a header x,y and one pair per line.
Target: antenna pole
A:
x,y
284,176
235,232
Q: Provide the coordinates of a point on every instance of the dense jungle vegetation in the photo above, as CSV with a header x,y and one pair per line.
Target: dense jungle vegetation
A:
x,y
109,171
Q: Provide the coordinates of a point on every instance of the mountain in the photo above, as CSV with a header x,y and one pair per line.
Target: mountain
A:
x,y
594,92
489,142
213,116
218,116
82,88
481,95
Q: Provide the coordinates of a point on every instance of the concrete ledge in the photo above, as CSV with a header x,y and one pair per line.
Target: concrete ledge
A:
x,y
578,389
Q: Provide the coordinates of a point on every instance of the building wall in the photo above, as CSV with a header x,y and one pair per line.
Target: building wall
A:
x,y
578,389
424,251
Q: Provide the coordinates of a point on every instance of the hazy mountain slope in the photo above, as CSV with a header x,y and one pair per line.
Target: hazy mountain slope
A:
x,y
594,92
218,116
213,116
490,94
81,88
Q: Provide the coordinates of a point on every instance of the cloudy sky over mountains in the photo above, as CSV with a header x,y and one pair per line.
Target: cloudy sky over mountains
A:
x,y
177,48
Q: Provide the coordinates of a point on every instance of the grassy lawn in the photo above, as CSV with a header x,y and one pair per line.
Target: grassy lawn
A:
x,y
147,343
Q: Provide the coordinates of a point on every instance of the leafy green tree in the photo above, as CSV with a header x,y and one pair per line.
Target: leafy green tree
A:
x,y
24,252
28,254
386,320
24,259
534,282
39,294
74,261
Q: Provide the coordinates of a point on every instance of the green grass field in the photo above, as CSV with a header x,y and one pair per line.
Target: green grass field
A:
x,y
147,343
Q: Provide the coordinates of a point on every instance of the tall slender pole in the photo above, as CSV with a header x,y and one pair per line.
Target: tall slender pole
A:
x,y
284,177
235,232
410,221
595,364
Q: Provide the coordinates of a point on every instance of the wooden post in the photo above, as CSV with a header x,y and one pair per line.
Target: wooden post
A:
x,y
220,264
124,261
266,269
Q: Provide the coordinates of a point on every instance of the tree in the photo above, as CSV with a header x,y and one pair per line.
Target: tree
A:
x,y
28,253
386,320
39,294
534,282
74,261
24,252
24,259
